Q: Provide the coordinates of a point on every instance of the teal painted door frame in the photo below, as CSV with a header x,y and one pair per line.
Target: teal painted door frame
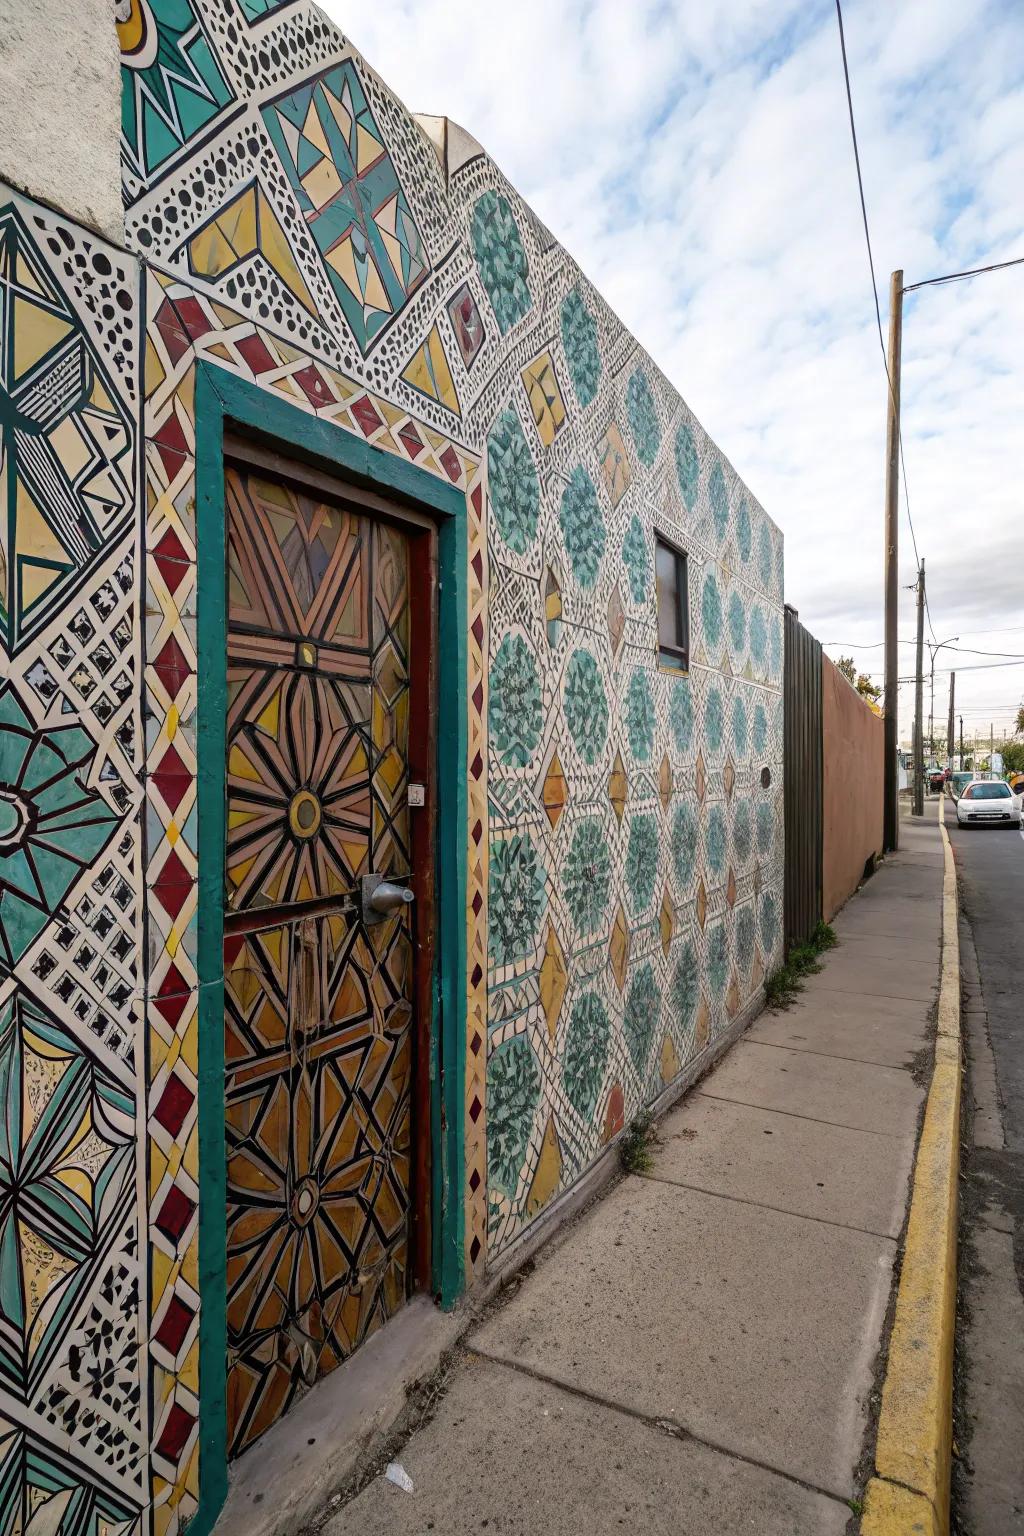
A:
x,y
223,401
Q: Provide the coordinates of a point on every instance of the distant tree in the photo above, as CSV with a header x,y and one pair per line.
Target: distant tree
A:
x,y
1018,729
1013,757
868,690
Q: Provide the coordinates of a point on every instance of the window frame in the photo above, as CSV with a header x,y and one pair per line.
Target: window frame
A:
x,y
674,658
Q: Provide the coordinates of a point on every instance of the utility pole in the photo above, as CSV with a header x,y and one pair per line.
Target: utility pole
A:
x,y
949,728
891,820
961,743
919,700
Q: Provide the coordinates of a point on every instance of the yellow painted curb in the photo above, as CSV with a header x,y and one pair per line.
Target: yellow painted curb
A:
x,y
915,1425
896,1511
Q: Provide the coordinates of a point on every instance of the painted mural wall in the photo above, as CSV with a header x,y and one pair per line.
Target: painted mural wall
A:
x,y
291,224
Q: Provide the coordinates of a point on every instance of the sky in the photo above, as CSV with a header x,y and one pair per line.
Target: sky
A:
x,y
695,159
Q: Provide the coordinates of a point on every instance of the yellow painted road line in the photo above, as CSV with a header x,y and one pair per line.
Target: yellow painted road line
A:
x,y
910,1490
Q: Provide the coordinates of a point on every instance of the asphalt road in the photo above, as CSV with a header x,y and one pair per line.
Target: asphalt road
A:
x,y
990,866
988,1470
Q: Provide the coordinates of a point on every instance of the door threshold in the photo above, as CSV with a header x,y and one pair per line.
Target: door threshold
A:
x,y
292,1470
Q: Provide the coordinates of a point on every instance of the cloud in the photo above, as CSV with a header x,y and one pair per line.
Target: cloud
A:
x,y
696,160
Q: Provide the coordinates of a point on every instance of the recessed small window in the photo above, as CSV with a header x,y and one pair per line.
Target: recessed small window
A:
x,y
673,605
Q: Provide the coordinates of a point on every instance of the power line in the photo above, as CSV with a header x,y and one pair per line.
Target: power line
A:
x,y
874,289
956,277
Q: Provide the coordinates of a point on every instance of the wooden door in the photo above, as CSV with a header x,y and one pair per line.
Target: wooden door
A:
x,y
319,1003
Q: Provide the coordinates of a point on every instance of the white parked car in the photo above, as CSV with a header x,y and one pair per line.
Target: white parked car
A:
x,y
988,803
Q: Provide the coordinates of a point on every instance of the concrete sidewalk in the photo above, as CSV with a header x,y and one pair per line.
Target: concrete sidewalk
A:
x,y
695,1354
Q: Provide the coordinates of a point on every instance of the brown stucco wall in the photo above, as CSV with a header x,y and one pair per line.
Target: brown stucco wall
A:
x,y
852,754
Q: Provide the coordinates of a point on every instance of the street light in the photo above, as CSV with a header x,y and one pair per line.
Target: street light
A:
x,y
933,650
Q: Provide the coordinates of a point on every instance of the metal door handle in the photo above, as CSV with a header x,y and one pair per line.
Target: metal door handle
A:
x,y
382,897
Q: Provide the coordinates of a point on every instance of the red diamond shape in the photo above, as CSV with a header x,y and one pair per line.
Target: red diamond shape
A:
x,y
367,415
173,885
474,1180
172,995
172,778
450,464
175,1433
312,386
175,1214
257,354
193,317
169,326
171,667
174,1326
474,1110
175,1102
474,1250
171,446
170,558
410,440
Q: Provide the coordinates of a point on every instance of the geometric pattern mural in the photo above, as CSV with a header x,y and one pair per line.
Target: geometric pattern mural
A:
x,y
624,847
65,444
74,1425
348,191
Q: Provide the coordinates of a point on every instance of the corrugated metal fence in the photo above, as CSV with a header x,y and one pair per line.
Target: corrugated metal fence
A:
x,y
802,775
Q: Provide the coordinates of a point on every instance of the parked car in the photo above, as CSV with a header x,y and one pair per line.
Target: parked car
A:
x,y
936,779
988,803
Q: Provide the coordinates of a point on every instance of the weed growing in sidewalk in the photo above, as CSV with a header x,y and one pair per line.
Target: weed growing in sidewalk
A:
x,y
782,985
635,1146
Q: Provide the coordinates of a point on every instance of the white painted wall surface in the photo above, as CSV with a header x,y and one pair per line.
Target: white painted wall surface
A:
x,y
60,107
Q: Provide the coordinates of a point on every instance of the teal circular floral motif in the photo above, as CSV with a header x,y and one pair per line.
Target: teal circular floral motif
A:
x,y
685,989
718,497
744,531
683,841
512,482
54,823
760,731
586,1052
515,898
635,559
642,1004
758,635
582,526
687,467
579,339
680,715
640,716
586,875
740,726
499,254
716,839
769,920
775,648
765,828
765,557
745,938
714,721
513,1092
513,709
711,610
718,959
642,860
742,832
737,623
586,707
643,418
